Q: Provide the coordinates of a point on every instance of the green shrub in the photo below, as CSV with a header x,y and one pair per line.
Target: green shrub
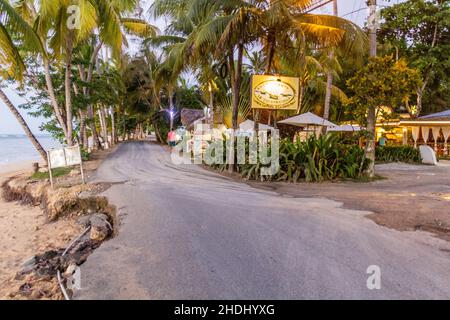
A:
x,y
84,155
398,154
315,160
319,159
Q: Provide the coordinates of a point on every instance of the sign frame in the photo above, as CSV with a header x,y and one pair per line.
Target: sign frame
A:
x,y
70,157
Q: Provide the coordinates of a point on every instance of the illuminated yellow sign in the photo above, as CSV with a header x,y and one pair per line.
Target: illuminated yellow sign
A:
x,y
277,93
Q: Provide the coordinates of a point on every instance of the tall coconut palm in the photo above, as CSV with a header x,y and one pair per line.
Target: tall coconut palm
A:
x,y
326,113
12,65
52,20
227,28
272,25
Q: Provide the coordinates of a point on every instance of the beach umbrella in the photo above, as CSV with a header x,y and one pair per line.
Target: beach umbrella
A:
x,y
250,125
308,120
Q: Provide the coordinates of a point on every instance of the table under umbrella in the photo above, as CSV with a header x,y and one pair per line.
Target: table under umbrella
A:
x,y
308,120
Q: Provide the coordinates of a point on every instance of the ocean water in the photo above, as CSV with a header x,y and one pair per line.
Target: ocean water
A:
x,y
17,148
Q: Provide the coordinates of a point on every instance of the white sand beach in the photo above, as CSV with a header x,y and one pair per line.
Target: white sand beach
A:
x,y
24,232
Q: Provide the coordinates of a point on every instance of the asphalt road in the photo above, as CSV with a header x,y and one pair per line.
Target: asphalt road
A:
x,y
188,233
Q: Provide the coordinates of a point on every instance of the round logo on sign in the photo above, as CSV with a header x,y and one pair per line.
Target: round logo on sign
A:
x,y
274,93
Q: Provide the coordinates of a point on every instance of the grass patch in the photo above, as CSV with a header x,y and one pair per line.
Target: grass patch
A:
x,y
59,172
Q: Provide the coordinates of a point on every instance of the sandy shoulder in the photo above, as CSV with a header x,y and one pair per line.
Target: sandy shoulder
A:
x,y
24,233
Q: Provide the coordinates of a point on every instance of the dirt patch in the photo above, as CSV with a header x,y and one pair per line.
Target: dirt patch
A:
x,y
24,233
37,224
70,209
409,198
23,191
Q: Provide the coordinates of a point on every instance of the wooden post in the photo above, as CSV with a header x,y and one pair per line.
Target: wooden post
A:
x,y
50,168
81,166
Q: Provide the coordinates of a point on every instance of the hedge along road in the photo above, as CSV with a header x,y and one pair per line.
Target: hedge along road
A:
x,y
187,233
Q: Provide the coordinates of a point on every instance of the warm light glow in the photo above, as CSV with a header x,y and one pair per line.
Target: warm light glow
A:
x,y
275,87
274,92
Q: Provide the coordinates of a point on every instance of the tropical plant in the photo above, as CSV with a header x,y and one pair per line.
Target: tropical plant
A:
x,y
11,62
62,33
398,154
323,158
222,31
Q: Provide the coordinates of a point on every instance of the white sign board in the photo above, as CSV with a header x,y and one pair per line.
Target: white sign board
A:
x,y
73,156
57,158
64,157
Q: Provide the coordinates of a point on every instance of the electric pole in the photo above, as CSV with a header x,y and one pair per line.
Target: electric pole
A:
x,y
373,27
371,113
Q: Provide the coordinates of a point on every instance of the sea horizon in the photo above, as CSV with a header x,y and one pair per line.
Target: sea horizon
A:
x,y
3,134
18,148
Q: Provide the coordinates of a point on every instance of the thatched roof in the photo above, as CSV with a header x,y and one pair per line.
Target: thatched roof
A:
x,y
189,116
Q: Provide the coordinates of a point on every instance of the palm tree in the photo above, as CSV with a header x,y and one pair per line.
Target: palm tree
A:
x,y
326,112
274,26
214,31
105,17
12,64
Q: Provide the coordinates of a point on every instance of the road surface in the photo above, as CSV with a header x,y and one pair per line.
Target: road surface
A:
x,y
188,233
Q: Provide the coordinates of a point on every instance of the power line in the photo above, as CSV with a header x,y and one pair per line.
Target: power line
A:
x,y
317,4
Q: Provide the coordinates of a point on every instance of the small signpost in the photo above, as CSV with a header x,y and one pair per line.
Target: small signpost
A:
x,y
64,157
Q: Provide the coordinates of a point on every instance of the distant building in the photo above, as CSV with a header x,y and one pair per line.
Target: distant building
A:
x,y
432,130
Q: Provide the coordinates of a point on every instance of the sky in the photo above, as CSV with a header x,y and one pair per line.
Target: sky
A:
x,y
354,10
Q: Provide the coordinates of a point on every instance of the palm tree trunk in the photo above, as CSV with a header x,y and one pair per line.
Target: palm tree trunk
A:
x,y
270,52
82,139
52,96
113,127
237,86
269,58
326,113
83,130
96,145
90,109
103,125
235,93
68,92
24,125
326,110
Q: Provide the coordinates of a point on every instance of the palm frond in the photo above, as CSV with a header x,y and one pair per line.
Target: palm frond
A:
x,y
11,18
139,27
11,63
